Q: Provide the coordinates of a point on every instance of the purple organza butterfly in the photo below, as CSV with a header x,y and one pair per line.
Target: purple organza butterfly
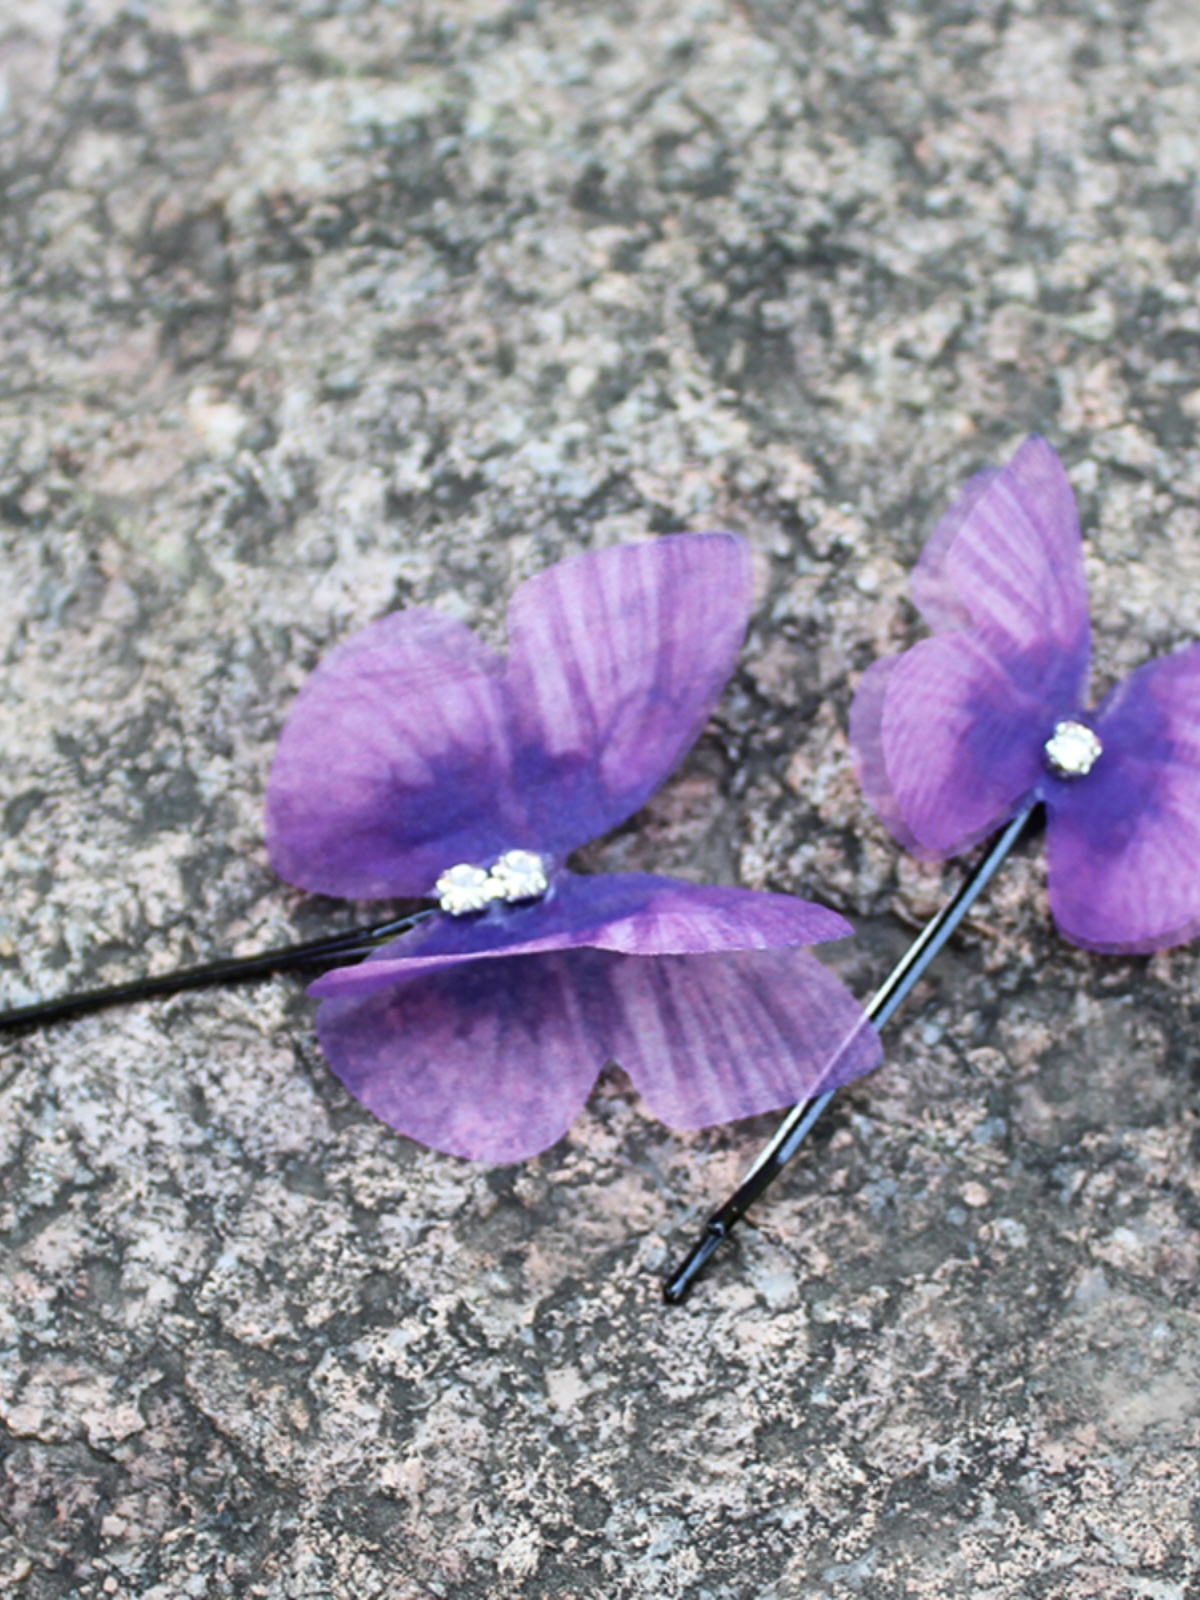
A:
x,y
418,761
962,730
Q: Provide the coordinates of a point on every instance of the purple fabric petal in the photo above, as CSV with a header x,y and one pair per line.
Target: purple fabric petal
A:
x,y
1008,558
867,748
933,589
395,763
616,661
1124,842
961,740
708,1039
492,1061
633,913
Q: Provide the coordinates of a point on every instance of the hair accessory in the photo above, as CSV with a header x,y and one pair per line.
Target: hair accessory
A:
x,y
982,724
418,762
336,947
416,759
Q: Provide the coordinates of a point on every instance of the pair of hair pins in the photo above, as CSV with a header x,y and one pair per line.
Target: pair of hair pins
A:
x,y
417,763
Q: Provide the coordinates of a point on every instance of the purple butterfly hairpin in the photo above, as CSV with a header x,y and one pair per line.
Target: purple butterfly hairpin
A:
x,y
979,726
418,762
416,758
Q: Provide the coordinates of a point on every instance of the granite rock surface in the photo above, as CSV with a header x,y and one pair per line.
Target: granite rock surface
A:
x,y
313,309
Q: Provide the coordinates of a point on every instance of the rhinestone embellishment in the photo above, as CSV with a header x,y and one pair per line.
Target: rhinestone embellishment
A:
x,y
463,889
518,875
1073,751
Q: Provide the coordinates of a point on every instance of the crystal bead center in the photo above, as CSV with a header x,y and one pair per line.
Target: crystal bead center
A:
x,y
518,875
1073,750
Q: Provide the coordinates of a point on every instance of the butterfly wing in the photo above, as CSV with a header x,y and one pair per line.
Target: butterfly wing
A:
x,y
708,1039
948,736
491,1061
395,763
1007,559
1123,844
616,660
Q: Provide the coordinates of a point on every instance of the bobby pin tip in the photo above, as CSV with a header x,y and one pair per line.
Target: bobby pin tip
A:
x,y
679,1285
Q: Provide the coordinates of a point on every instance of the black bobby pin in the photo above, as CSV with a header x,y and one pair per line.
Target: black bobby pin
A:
x,y
795,1127
333,950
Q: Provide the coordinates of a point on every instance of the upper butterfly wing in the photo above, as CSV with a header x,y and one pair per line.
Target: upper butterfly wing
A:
x,y
395,763
414,746
616,660
1007,560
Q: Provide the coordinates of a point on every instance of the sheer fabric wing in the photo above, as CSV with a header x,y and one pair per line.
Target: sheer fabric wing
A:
x,y
870,757
934,593
1008,559
615,663
491,1061
1124,844
394,763
954,736
631,913
708,1039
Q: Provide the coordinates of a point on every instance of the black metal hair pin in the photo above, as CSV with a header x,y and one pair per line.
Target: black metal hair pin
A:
x,y
334,950
795,1127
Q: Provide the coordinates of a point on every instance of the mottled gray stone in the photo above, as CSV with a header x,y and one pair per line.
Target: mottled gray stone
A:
x,y
314,309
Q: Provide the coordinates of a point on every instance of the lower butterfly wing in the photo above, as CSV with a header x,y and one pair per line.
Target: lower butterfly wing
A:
x,y
1123,843
709,1039
489,1052
491,1061
870,753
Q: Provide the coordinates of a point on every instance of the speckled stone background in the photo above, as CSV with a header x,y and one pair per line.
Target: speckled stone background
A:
x,y
315,309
